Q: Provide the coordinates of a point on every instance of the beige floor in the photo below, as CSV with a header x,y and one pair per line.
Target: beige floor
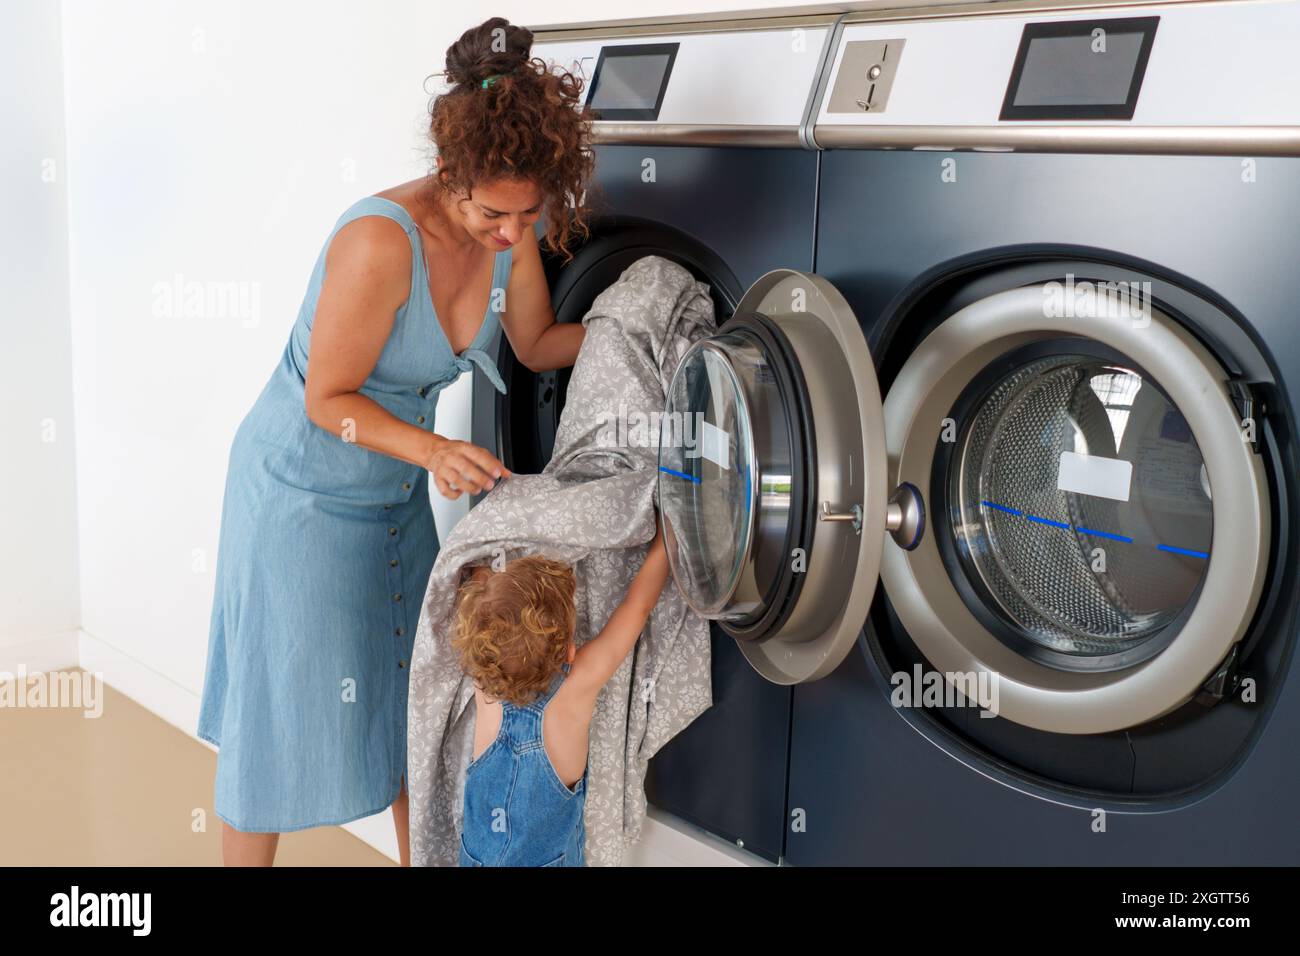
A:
x,y
123,789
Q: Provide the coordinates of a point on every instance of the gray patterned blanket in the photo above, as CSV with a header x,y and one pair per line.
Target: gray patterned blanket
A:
x,y
593,507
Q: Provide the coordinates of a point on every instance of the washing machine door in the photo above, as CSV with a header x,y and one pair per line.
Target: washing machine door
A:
x,y
772,477
1100,514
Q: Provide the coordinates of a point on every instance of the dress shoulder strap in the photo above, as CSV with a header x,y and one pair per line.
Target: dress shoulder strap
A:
x,y
378,206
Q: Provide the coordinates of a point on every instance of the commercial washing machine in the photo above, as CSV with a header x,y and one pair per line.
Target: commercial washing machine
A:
x,y
699,159
1109,481
1032,375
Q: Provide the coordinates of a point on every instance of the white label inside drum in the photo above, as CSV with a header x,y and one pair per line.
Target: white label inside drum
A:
x,y
715,445
1096,476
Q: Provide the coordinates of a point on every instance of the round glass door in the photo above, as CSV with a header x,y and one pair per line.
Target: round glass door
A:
x,y
772,477
706,458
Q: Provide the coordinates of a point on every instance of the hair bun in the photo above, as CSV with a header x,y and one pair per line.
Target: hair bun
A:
x,y
495,46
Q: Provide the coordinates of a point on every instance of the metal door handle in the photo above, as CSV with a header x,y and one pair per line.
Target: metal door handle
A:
x,y
854,515
904,516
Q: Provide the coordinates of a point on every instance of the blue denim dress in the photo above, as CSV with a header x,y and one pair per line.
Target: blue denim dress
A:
x,y
517,810
323,559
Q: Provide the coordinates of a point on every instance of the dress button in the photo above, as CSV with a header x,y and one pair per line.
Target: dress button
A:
x,y
397,596
406,486
401,631
392,562
401,664
388,507
392,531
420,420
420,391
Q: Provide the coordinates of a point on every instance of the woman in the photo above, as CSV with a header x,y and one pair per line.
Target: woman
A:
x,y
327,535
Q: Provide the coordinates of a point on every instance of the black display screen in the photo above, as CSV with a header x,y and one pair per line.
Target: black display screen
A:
x,y
630,81
1083,69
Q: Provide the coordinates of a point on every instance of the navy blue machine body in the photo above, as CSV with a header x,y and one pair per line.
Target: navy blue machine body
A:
x,y
875,784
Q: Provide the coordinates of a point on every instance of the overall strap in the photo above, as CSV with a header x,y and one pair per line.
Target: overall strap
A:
x,y
556,681
525,723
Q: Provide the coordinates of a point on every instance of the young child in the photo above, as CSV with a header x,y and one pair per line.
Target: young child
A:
x,y
534,696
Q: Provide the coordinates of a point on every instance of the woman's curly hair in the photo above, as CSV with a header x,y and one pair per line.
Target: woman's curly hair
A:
x,y
513,627
509,115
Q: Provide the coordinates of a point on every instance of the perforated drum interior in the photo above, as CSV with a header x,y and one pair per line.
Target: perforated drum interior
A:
x,y
1081,505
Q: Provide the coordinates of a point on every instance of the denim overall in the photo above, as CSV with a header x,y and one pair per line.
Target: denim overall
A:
x,y
517,810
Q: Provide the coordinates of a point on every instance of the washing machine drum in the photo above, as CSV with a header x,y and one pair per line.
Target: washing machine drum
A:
x,y
523,422
1069,466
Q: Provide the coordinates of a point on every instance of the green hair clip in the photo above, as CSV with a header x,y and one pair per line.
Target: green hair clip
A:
x,y
490,79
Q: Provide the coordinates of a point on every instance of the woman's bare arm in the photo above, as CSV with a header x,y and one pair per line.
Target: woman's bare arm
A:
x,y
368,270
528,321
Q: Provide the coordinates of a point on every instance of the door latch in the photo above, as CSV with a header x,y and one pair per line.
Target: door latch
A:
x,y
1222,683
904,516
1250,408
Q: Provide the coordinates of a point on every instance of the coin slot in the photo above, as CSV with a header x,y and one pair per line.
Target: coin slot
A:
x,y
865,63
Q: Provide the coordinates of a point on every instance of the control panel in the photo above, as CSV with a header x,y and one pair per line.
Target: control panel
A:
x,y
761,77
1182,64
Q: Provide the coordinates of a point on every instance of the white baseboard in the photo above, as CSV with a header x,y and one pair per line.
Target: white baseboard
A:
x,y
155,692
52,652
378,831
667,840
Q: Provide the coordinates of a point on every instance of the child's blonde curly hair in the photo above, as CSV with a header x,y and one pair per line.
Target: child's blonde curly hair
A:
x,y
513,627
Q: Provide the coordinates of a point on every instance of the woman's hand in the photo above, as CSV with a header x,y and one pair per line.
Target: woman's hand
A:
x,y
459,466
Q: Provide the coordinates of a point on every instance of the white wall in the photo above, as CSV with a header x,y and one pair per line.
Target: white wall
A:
x,y
217,141
38,560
